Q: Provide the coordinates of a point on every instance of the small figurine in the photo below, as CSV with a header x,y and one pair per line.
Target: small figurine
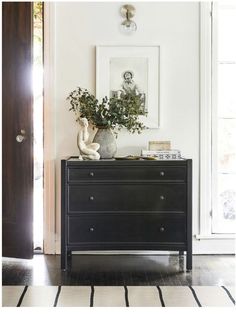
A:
x,y
87,151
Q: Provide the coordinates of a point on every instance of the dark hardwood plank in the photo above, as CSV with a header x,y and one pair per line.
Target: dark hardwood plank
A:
x,y
120,270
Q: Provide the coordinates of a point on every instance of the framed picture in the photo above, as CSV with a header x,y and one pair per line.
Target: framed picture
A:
x,y
128,68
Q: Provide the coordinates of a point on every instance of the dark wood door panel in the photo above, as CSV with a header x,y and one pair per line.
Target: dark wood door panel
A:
x,y
126,228
17,158
127,197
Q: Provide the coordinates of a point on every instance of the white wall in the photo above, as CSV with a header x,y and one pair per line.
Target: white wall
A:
x,y
79,27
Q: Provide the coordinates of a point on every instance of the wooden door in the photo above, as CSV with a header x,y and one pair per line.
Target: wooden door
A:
x,y
17,129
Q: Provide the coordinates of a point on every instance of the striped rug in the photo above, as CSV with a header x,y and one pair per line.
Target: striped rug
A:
x,y
118,296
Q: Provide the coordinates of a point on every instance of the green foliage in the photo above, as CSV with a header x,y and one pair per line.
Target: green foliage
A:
x,y
38,33
38,11
116,112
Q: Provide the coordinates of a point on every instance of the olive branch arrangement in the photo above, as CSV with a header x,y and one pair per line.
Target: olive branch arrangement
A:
x,y
114,113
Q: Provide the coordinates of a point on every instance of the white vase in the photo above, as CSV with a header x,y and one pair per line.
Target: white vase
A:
x,y
106,139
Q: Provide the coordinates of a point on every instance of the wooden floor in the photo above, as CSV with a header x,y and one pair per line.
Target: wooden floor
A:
x,y
121,270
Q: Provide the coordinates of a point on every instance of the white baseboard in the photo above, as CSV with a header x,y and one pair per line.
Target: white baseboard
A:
x,y
214,246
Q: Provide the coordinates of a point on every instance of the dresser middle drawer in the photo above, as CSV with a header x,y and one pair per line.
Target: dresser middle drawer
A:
x,y
126,197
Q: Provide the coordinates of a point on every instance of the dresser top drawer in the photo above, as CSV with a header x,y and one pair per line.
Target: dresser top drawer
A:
x,y
132,173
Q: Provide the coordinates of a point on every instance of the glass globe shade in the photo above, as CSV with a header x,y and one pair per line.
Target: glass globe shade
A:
x,y
128,26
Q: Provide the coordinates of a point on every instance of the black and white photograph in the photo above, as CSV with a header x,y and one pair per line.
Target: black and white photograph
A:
x,y
129,75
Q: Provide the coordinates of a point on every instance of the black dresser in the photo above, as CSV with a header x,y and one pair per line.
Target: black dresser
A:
x,y
126,205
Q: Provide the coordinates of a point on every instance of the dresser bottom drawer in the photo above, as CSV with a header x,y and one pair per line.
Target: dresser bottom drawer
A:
x,y
126,228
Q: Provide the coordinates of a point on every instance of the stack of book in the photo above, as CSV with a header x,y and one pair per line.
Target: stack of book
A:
x,y
162,154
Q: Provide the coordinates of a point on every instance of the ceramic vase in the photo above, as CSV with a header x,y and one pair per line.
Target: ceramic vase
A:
x,y
106,139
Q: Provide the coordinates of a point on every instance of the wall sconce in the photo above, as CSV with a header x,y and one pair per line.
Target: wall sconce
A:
x,y
128,26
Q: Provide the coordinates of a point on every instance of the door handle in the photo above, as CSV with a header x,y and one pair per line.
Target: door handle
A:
x,y
21,137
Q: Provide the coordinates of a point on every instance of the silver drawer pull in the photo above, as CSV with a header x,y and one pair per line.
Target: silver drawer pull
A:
x,y
91,229
162,229
91,174
91,198
162,173
162,197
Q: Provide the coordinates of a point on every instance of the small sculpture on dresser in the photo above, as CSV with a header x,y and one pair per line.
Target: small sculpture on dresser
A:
x,y
87,151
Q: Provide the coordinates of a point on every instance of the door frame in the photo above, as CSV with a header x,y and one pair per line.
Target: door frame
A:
x,y
207,243
49,210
